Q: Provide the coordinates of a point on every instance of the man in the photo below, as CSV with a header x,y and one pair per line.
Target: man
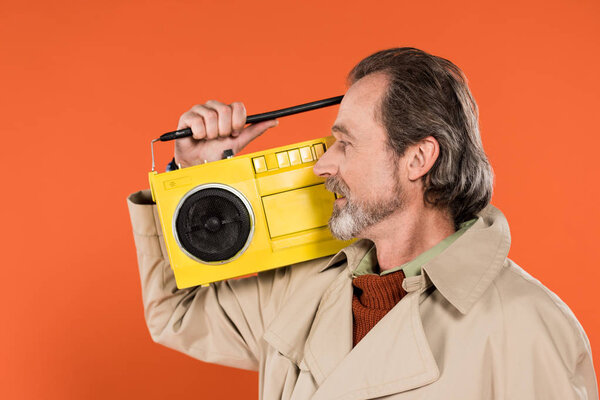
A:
x,y
425,306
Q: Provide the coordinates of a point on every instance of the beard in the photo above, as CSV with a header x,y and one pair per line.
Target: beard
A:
x,y
349,220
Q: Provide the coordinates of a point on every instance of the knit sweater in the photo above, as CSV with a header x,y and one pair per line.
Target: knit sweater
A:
x,y
374,295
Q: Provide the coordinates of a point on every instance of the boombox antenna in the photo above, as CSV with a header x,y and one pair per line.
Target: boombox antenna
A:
x,y
252,119
152,151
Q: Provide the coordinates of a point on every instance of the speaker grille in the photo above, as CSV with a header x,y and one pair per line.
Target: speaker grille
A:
x,y
213,224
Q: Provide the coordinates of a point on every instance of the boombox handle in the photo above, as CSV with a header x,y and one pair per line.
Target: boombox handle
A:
x,y
252,119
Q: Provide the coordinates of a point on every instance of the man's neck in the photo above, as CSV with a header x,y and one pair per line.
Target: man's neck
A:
x,y
405,234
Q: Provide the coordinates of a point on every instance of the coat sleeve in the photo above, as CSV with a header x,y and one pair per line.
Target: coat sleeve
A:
x,y
222,323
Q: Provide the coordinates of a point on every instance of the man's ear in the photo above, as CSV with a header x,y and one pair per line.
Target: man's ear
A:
x,y
422,156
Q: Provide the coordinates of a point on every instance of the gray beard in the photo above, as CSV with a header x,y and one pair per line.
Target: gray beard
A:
x,y
348,221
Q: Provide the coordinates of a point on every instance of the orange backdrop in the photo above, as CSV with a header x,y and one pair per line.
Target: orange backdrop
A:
x,y
85,86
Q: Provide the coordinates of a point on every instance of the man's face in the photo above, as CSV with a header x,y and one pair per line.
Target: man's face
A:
x,y
360,166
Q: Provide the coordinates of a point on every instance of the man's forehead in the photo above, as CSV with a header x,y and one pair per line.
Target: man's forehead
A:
x,y
359,105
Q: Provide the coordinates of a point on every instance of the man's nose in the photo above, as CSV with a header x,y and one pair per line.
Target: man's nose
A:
x,y
325,166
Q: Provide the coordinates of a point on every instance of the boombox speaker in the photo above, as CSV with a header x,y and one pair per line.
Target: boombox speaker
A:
x,y
245,214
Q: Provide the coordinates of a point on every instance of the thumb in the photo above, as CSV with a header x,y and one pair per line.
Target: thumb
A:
x,y
253,131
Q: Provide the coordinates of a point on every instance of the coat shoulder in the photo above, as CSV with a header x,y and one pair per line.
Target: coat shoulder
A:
x,y
295,282
518,289
532,312
291,277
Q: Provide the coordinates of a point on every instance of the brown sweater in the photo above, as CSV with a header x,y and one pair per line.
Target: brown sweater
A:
x,y
374,296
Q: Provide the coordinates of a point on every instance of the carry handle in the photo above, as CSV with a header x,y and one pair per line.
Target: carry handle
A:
x,y
252,119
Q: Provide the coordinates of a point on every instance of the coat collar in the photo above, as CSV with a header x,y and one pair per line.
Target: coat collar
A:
x,y
314,328
464,270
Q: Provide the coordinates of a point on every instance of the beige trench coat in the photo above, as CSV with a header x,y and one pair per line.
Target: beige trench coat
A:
x,y
474,325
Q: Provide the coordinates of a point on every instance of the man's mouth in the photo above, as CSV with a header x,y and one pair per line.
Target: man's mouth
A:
x,y
340,199
337,187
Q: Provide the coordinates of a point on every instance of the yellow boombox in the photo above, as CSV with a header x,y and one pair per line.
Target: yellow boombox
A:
x,y
245,214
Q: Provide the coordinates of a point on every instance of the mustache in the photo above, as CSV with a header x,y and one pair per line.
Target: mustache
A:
x,y
337,185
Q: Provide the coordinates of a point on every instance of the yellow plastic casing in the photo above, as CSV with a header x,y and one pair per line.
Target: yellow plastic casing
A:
x,y
289,203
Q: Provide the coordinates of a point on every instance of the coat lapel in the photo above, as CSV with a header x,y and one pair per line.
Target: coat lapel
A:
x,y
319,315
371,369
288,331
330,338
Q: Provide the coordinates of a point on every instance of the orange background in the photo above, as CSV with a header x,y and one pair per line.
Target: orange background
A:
x,y
85,86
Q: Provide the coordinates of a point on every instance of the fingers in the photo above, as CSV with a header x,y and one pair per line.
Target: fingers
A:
x,y
255,130
223,114
202,120
209,118
238,119
214,119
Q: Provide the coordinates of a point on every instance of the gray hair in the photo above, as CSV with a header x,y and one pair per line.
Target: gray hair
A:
x,y
429,96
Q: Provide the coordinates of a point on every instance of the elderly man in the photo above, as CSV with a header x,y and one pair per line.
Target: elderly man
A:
x,y
425,306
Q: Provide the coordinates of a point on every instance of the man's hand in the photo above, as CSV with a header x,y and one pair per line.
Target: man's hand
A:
x,y
216,127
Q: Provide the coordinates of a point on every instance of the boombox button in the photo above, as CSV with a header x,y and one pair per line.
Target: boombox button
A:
x,y
306,154
260,164
271,161
319,150
294,157
283,159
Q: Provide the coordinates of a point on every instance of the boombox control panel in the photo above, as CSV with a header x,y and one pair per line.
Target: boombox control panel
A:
x,y
272,161
245,214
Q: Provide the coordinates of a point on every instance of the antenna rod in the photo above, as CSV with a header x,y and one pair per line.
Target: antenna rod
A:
x,y
252,119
